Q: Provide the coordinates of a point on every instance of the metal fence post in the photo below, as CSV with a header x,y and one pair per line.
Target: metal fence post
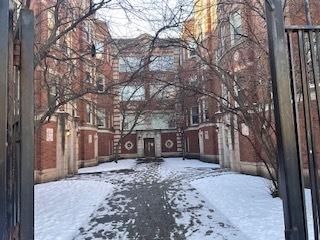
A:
x,y
291,181
27,124
4,20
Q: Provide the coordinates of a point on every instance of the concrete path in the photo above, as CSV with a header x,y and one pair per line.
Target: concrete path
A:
x,y
149,205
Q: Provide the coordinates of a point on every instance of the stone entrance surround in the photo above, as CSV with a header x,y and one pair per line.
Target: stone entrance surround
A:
x,y
141,135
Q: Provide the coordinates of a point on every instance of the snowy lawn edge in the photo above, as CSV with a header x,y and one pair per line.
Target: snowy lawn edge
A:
x,y
59,219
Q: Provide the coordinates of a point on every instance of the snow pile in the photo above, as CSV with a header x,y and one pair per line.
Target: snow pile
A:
x,y
62,207
110,166
246,202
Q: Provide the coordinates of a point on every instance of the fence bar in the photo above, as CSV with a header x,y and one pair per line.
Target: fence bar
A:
x,y
4,40
27,124
309,133
315,77
291,183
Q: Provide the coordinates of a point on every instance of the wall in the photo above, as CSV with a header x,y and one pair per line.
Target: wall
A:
x,y
87,146
169,142
105,145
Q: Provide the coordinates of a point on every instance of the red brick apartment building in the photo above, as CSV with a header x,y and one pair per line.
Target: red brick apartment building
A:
x,y
224,64
169,98
67,132
239,47
144,116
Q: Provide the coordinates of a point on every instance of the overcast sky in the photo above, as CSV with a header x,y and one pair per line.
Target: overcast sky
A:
x,y
130,18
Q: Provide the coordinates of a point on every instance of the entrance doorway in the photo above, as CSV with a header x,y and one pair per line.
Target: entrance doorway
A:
x,y
149,148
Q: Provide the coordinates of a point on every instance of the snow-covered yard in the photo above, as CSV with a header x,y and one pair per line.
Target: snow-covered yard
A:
x,y
219,204
62,207
246,202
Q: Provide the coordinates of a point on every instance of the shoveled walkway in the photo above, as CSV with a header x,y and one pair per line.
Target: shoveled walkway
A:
x,y
151,201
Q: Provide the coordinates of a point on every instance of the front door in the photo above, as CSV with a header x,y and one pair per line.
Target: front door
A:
x,y
149,147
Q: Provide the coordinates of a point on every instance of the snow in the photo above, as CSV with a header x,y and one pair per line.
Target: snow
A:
x,y
62,207
242,202
110,166
246,202
173,165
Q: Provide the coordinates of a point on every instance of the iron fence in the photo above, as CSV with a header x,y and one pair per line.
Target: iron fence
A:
x,y
295,70
16,124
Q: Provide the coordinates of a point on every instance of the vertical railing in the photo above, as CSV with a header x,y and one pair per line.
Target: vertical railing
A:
x,y
290,172
26,112
304,54
295,70
4,38
16,124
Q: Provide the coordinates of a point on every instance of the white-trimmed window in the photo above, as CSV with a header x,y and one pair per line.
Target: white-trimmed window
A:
x,y
101,118
162,63
194,115
132,93
89,111
129,64
236,27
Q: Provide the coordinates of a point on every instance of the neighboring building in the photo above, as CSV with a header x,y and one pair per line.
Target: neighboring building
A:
x,y
78,61
240,48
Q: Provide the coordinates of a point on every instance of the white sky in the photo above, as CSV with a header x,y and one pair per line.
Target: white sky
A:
x,y
130,18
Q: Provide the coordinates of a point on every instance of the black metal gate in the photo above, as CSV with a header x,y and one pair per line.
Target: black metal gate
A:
x,y
16,123
295,69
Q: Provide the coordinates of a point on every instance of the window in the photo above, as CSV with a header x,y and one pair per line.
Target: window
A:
x,y
222,42
194,115
87,77
89,110
69,45
101,83
130,121
192,51
162,63
236,27
101,118
205,111
87,31
193,81
132,93
99,49
129,64
53,94
161,121
241,90
51,21
161,91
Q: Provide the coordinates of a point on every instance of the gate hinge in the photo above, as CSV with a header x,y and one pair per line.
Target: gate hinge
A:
x,y
17,53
